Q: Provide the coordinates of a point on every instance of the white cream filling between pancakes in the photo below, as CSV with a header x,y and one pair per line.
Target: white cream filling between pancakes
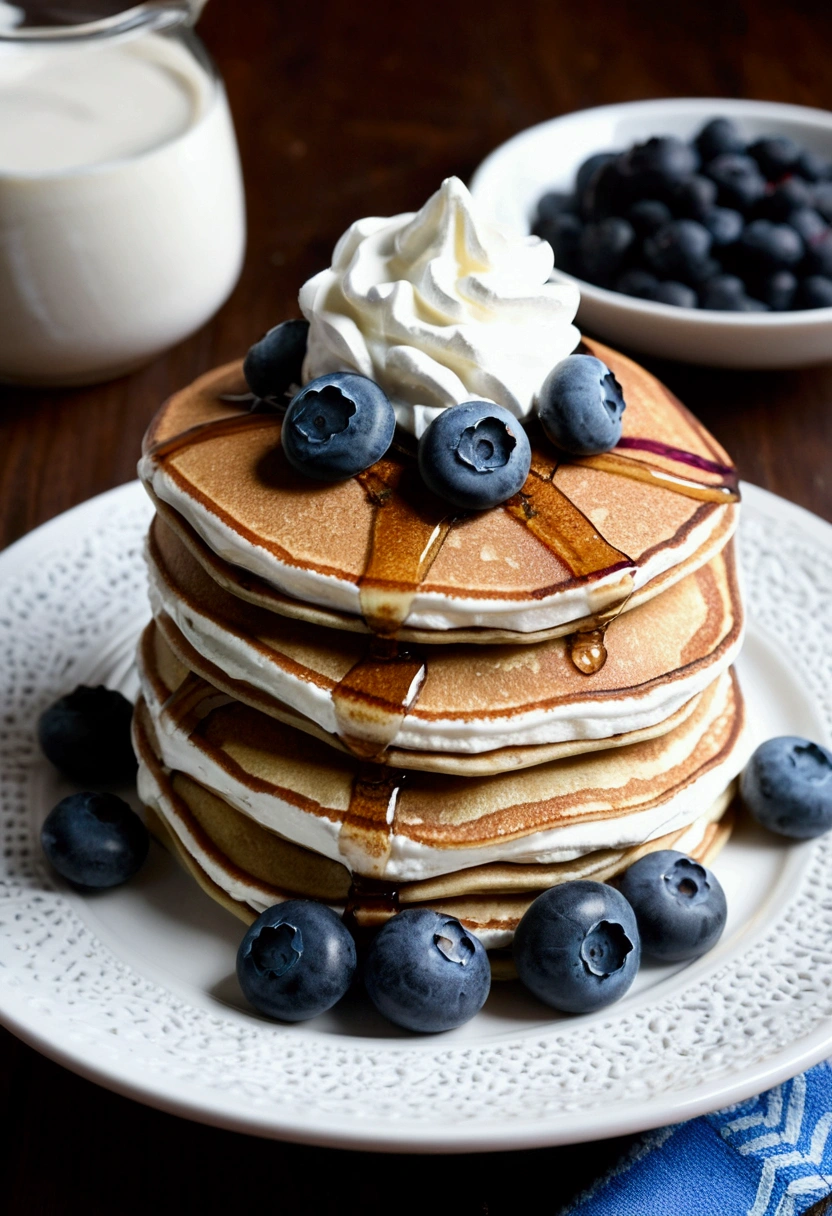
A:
x,y
409,859
595,719
429,610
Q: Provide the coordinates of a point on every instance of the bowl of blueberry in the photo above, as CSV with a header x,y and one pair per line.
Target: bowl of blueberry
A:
x,y
696,228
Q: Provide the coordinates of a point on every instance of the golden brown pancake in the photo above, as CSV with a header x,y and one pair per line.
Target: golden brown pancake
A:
x,y
576,541
454,699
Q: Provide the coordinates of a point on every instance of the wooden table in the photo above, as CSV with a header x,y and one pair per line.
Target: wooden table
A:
x,y
344,110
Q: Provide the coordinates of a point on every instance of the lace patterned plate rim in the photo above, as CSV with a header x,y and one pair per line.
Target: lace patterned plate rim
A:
x,y
134,988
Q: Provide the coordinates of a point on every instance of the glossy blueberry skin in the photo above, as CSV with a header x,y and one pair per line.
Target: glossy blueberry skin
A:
x,y
94,840
724,225
580,406
337,426
694,197
475,455
297,960
680,251
778,290
724,292
577,947
425,972
604,248
766,246
647,215
679,905
275,362
775,154
590,167
786,197
86,735
815,291
677,294
658,165
740,184
808,224
813,166
716,137
787,787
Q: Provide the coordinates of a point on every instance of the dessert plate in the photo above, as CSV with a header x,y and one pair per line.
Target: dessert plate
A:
x,y
135,988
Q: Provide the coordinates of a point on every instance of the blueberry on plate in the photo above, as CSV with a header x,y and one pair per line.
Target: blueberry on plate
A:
x,y
94,840
604,248
787,787
680,250
679,905
337,426
775,154
716,137
786,196
813,166
808,224
815,291
275,362
297,960
677,294
724,225
475,455
724,293
658,165
778,290
694,197
766,246
577,946
589,167
86,735
740,184
606,191
425,972
580,405
648,214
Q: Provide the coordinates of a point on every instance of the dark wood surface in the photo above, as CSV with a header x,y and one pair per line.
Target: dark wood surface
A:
x,y
345,110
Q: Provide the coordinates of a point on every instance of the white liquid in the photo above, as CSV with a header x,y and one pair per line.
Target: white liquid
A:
x,y
121,207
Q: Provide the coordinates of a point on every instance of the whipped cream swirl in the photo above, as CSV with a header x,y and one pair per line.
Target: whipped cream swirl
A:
x,y
439,308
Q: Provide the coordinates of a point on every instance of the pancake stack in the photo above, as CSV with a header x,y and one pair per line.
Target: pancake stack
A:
x,y
352,693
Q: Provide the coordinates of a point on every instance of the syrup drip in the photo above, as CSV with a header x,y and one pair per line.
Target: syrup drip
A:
x,y
409,529
367,830
588,651
231,424
639,470
372,699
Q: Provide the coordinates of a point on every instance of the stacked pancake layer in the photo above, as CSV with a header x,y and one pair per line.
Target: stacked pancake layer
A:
x,y
351,694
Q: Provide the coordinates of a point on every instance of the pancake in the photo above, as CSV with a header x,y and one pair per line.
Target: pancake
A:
x,y
406,825
575,544
455,699
247,868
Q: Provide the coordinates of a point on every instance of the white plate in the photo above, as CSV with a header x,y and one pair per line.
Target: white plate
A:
x,y
510,181
135,988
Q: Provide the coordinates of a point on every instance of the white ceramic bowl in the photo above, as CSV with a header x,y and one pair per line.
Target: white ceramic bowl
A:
x,y
510,181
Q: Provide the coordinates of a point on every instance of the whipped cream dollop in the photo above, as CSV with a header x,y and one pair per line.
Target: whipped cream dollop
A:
x,y
439,307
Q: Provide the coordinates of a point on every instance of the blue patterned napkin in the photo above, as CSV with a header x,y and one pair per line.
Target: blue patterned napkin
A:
x,y
769,1156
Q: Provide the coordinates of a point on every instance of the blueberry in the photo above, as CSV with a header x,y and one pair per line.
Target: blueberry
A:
x,y
94,840
657,166
337,426
807,223
425,972
679,905
604,248
766,246
814,166
822,200
680,250
716,137
580,406
819,254
694,197
786,196
775,154
724,292
589,167
787,787
275,362
677,294
740,184
815,291
637,282
475,455
563,232
296,961
86,735
554,203
724,225
648,214
605,193
577,947
778,290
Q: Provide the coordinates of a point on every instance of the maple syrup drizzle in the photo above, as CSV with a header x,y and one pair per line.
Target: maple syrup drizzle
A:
x,y
230,424
367,831
657,448
640,470
373,698
409,528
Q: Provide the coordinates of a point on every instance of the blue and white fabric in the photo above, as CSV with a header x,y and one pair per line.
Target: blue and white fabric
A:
x,y
768,1156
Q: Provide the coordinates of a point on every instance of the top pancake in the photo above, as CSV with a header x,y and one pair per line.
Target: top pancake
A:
x,y
579,538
